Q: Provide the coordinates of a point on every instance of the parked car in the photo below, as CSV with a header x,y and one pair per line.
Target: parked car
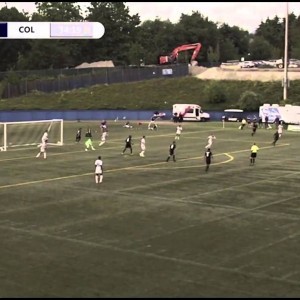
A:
x,y
258,63
294,63
247,64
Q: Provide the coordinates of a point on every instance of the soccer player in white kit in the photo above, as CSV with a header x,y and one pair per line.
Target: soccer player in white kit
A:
x,y
98,170
103,138
104,133
210,139
280,129
45,137
178,132
143,146
43,147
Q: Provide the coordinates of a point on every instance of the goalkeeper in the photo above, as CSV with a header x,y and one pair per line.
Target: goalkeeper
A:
x,y
45,137
43,147
88,140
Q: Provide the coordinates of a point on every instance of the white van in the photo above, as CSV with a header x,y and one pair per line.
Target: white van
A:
x,y
288,114
190,112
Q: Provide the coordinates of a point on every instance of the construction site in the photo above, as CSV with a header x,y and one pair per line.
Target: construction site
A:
x,y
236,73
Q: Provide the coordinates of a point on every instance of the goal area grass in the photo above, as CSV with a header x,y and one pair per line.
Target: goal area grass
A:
x,y
152,228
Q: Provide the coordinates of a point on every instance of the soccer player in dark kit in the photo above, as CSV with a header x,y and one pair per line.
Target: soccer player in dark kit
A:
x,y
128,144
208,156
172,151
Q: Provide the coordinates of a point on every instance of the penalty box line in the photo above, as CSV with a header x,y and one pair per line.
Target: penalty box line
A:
x,y
115,170
231,158
114,141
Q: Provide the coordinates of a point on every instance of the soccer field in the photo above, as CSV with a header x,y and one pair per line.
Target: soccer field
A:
x,y
152,228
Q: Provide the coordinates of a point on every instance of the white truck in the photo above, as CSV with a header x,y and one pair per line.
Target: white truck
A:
x,y
190,112
288,114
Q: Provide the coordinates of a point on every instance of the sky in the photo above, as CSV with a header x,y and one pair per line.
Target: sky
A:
x,y
246,15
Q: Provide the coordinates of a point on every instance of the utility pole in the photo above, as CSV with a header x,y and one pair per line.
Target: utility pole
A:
x,y
285,79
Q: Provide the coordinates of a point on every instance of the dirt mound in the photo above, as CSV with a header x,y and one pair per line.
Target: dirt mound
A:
x,y
245,74
196,70
96,64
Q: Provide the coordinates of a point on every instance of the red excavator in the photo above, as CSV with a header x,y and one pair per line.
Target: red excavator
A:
x,y
173,57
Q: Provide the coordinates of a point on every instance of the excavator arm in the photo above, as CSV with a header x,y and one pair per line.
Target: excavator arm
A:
x,y
174,54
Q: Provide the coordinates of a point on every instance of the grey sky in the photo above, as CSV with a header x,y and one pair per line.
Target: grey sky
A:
x,y
246,15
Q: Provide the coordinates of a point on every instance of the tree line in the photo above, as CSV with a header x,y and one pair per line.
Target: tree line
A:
x,y
128,41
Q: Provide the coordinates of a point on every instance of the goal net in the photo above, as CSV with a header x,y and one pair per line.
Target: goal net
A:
x,y
29,133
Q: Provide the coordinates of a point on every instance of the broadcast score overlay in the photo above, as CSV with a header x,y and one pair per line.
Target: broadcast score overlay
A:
x,y
51,30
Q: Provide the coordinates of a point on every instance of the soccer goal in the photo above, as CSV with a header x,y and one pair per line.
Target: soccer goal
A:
x,y
29,133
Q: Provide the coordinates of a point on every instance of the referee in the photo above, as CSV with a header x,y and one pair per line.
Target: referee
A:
x,y
253,154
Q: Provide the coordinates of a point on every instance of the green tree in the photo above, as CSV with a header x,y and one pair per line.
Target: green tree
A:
x,y
250,101
273,32
213,55
57,56
260,49
294,37
58,12
120,31
157,38
196,28
136,54
238,37
228,51
59,53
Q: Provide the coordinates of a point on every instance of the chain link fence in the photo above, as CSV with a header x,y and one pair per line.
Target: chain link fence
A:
x,y
69,79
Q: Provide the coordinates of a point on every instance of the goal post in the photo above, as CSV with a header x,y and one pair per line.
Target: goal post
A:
x,y
29,133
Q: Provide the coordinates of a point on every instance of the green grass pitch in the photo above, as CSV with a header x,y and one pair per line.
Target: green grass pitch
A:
x,y
152,229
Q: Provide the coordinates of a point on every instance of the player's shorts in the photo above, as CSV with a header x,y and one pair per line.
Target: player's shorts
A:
x,y
253,154
88,143
143,148
98,171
